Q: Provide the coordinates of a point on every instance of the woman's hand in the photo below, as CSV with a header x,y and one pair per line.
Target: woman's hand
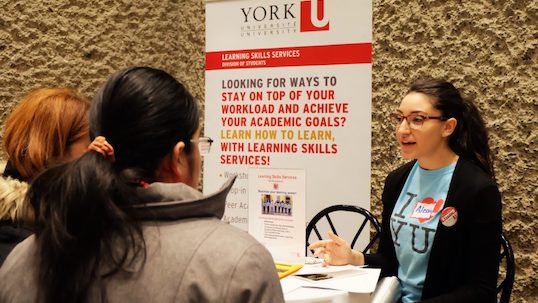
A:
x,y
336,251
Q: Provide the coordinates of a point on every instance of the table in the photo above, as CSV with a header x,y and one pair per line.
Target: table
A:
x,y
319,295
386,291
345,284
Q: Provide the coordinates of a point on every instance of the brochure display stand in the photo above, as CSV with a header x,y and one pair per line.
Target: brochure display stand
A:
x,y
288,88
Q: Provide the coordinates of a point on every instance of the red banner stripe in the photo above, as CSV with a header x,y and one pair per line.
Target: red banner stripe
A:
x,y
360,53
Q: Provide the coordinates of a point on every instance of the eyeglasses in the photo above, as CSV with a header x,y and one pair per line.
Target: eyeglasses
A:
x,y
414,120
204,144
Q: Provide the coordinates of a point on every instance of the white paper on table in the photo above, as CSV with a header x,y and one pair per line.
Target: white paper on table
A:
x,y
290,284
320,269
352,279
355,283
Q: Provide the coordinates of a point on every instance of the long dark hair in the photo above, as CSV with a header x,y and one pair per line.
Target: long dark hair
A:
x,y
470,138
85,231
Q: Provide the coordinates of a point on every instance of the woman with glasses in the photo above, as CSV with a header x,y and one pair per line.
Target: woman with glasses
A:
x,y
441,211
124,223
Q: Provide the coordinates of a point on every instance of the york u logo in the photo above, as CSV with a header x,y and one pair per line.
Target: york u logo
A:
x,y
269,13
313,16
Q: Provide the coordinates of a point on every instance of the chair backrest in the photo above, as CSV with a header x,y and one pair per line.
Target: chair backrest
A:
x,y
504,288
362,216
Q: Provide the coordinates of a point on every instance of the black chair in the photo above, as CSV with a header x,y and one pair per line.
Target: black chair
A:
x,y
361,215
504,288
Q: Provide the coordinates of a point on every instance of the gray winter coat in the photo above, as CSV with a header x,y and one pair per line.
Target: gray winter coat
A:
x,y
192,256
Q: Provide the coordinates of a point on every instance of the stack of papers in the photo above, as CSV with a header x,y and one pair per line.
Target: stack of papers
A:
x,y
353,279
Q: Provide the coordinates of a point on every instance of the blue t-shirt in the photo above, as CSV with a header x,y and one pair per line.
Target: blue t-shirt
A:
x,y
414,224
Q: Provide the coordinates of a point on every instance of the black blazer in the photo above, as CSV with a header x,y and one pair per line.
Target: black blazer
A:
x,y
464,261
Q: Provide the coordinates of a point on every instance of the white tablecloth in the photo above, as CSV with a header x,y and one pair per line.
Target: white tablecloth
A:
x,y
346,284
319,295
295,291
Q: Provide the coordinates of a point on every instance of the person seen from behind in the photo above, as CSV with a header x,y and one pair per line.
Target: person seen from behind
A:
x,y
124,223
48,127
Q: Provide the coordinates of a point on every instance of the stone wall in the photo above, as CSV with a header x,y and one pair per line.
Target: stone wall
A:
x,y
488,48
80,43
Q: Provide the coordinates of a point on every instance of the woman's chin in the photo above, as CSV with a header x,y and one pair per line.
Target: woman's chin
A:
x,y
407,155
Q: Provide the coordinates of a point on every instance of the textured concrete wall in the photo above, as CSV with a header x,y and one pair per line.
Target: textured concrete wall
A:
x,y
80,43
488,48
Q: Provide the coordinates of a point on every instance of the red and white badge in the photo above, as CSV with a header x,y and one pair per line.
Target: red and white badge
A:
x,y
449,216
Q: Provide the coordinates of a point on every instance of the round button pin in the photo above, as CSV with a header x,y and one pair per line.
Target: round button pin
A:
x,y
449,216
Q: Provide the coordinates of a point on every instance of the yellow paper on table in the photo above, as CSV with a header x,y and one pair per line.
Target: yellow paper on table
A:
x,y
286,269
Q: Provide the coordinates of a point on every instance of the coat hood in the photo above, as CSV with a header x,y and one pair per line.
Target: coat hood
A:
x,y
179,201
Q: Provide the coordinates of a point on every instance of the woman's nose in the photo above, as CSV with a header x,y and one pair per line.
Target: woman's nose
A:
x,y
403,127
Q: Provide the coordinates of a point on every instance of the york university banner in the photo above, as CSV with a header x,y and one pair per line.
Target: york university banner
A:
x,y
288,87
